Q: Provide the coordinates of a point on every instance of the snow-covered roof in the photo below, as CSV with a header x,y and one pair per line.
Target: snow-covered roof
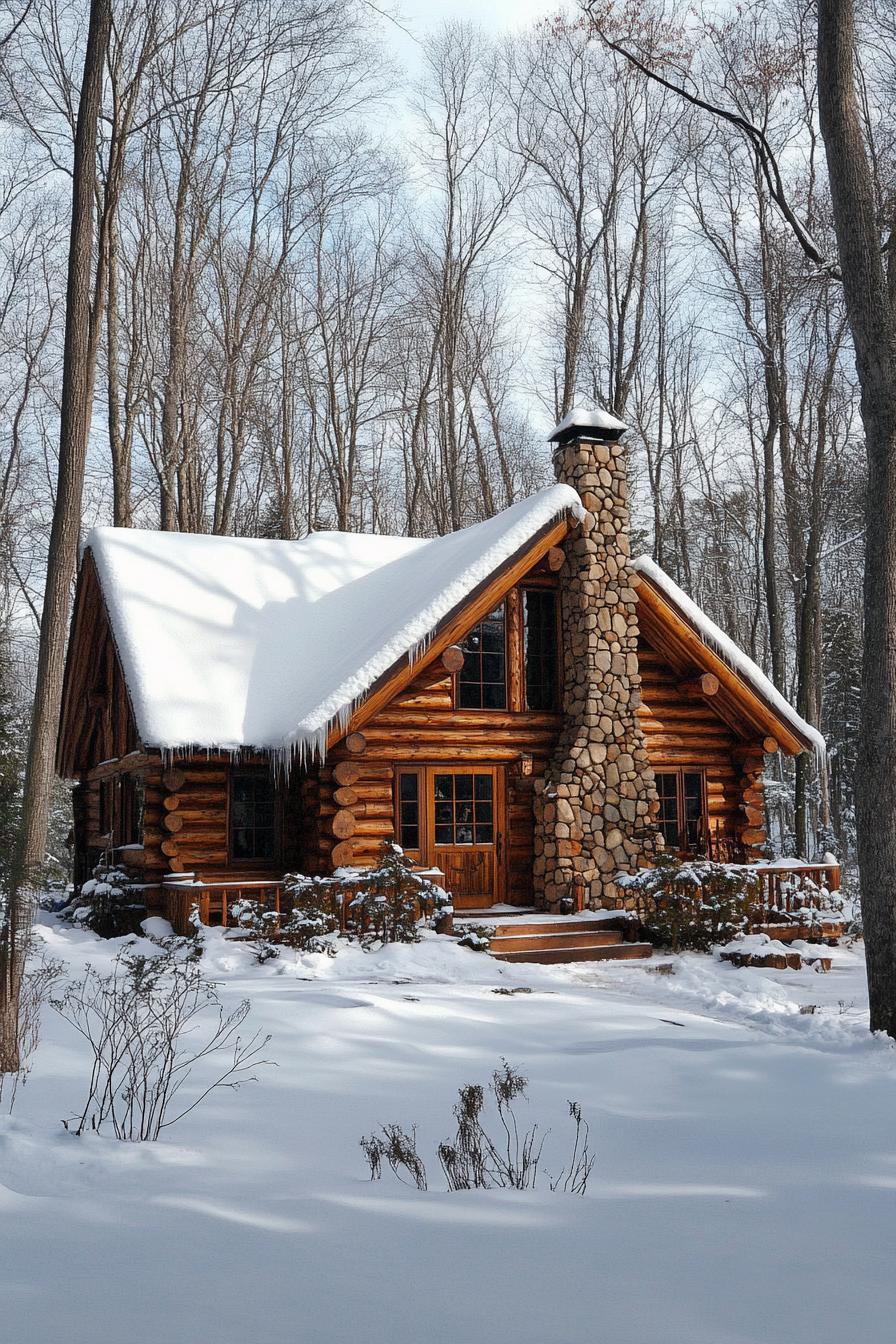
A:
x,y
581,419
726,649
234,642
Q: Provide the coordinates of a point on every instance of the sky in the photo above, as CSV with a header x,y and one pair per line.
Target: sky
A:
x,y
420,16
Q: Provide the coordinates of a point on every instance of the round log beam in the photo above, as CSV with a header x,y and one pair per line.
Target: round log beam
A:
x,y
356,743
176,866
343,854
345,796
174,780
171,803
707,683
555,558
173,822
769,746
453,658
346,772
170,849
344,824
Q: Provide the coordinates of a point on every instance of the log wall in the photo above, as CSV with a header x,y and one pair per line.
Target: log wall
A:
x,y
683,731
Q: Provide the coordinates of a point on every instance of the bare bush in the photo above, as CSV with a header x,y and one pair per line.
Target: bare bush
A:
x,y
143,1022
476,1159
38,983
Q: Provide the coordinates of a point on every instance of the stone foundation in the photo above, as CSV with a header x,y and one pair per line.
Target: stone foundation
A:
x,y
595,804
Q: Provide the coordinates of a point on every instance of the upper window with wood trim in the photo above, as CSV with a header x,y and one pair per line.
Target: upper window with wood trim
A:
x,y
681,819
482,681
540,647
253,830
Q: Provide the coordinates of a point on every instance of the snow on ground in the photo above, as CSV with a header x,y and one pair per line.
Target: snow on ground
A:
x,y
744,1190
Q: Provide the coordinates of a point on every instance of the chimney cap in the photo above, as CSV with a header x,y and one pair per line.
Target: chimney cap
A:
x,y
581,424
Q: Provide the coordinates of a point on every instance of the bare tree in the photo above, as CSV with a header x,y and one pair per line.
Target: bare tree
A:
x,y
75,414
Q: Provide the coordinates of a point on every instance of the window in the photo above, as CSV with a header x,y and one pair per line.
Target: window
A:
x,y
681,820
107,809
482,681
252,822
540,644
131,803
409,809
463,809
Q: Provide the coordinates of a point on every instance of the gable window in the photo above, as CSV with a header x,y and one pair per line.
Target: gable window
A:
x,y
682,807
482,681
252,815
540,647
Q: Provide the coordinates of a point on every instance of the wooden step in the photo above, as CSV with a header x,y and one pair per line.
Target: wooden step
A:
x,y
515,928
518,941
619,952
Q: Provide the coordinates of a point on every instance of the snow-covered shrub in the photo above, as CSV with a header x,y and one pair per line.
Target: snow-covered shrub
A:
x,y
109,903
477,937
477,1160
693,906
260,927
389,903
147,1023
315,913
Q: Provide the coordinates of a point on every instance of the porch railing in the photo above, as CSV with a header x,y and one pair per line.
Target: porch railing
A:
x,y
214,900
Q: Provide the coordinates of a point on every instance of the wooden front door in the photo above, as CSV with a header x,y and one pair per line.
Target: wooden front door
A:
x,y
464,830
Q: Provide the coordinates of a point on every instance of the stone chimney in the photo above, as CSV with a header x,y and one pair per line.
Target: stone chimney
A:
x,y
595,804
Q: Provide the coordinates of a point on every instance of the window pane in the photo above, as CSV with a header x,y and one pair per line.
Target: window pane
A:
x,y
483,786
444,814
482,679
483,833
408,786
252,815
444,835
442,786
540,641
463,786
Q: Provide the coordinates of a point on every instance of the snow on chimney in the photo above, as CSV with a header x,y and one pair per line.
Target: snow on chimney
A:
x,y
594,805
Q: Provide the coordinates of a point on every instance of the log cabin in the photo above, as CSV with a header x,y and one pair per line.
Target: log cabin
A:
x,y
520,704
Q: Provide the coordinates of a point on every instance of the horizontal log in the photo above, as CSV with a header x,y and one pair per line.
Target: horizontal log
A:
x,y
170,849
346,796
121,765
343,854
356,743
346,772
769,746
174,779
753,836
172,802
343,824
554,559
173,822
707,683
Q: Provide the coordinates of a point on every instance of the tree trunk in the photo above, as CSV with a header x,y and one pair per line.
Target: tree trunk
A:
x,y
871,320
74,423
